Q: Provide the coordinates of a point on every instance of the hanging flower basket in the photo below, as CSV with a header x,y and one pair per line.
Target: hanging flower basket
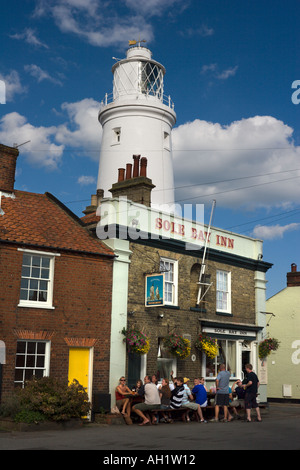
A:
x,y
208,345
136,341
177,345
266,346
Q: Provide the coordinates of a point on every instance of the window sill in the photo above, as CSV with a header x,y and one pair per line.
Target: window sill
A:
x,y
175,307
198,309
35,305
224,314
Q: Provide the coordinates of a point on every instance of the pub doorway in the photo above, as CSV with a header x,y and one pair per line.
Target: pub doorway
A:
x,y
246,355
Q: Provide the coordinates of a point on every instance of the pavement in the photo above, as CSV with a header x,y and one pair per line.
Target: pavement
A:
x,y
279,430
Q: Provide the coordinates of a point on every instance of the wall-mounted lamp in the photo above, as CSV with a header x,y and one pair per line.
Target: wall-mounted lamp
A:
x,y
131,313
161,315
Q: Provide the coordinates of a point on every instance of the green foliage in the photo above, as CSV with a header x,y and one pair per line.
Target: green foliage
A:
x,y
28,416
50,399
10,407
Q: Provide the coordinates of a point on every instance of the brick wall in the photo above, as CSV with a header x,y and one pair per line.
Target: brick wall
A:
x,y
82,314
183,320
8,159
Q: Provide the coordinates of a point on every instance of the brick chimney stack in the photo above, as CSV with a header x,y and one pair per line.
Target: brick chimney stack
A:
x,y
293,277
8,161
134,182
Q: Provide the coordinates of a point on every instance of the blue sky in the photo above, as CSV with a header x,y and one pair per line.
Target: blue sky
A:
x,y
230,69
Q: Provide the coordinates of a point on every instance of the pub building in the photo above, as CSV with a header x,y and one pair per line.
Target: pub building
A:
x,y
160,287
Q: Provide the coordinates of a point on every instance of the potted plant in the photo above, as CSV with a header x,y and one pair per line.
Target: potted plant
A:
x,y
208,345
266,346
136,341
177,345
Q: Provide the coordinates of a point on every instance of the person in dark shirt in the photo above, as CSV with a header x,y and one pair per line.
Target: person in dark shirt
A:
x,y
251,388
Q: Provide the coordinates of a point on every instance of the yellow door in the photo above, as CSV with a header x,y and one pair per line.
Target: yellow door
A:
x,y
79,362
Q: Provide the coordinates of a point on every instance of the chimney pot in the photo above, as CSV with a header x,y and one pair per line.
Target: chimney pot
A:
x,y
128,170
293,277
136,164
143,171
121,175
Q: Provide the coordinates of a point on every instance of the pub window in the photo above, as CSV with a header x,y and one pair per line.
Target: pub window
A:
x,y
226,355
223,300
170,268
166,363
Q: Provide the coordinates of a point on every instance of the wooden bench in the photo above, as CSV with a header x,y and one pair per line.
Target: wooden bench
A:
x,y
173,412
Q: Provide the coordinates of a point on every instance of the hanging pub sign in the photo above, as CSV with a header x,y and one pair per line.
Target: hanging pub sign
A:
x,y
155,284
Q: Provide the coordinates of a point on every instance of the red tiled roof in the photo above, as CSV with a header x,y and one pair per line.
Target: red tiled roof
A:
x,y
91,218
42,220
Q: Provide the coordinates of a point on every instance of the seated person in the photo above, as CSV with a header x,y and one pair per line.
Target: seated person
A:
x,y
187,401
123,402
237,387
152,400
177,394
165,395
200,392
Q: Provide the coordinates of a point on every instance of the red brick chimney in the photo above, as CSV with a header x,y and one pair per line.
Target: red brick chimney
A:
x,y
8,160
134,182
293,278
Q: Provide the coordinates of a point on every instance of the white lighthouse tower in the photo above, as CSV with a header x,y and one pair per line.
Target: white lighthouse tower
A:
x,y
137,119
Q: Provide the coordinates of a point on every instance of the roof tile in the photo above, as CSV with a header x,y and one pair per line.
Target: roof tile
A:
x,y
42,220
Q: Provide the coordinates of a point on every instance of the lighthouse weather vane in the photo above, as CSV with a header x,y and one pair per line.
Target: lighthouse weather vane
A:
x,y
133,42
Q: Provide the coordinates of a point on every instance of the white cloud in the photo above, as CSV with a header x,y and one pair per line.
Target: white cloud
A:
x,y
97,22
202,30
213,70
86,180
227,73
41,150
154,7
217,162
40,74
82,129
81,132
13,85
271,232
29,36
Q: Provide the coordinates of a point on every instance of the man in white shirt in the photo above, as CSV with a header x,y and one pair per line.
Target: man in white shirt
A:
x,y
152,400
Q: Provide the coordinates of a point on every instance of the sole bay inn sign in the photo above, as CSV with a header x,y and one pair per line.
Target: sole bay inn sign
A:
x,y
236,332
123,219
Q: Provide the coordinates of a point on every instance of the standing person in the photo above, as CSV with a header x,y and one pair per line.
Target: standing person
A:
x,y
152,400
251,388
222,395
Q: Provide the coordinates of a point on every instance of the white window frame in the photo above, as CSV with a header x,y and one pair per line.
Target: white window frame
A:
x,y
166,140
217,363
173,283
227,291
46,368
116,136
36,303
